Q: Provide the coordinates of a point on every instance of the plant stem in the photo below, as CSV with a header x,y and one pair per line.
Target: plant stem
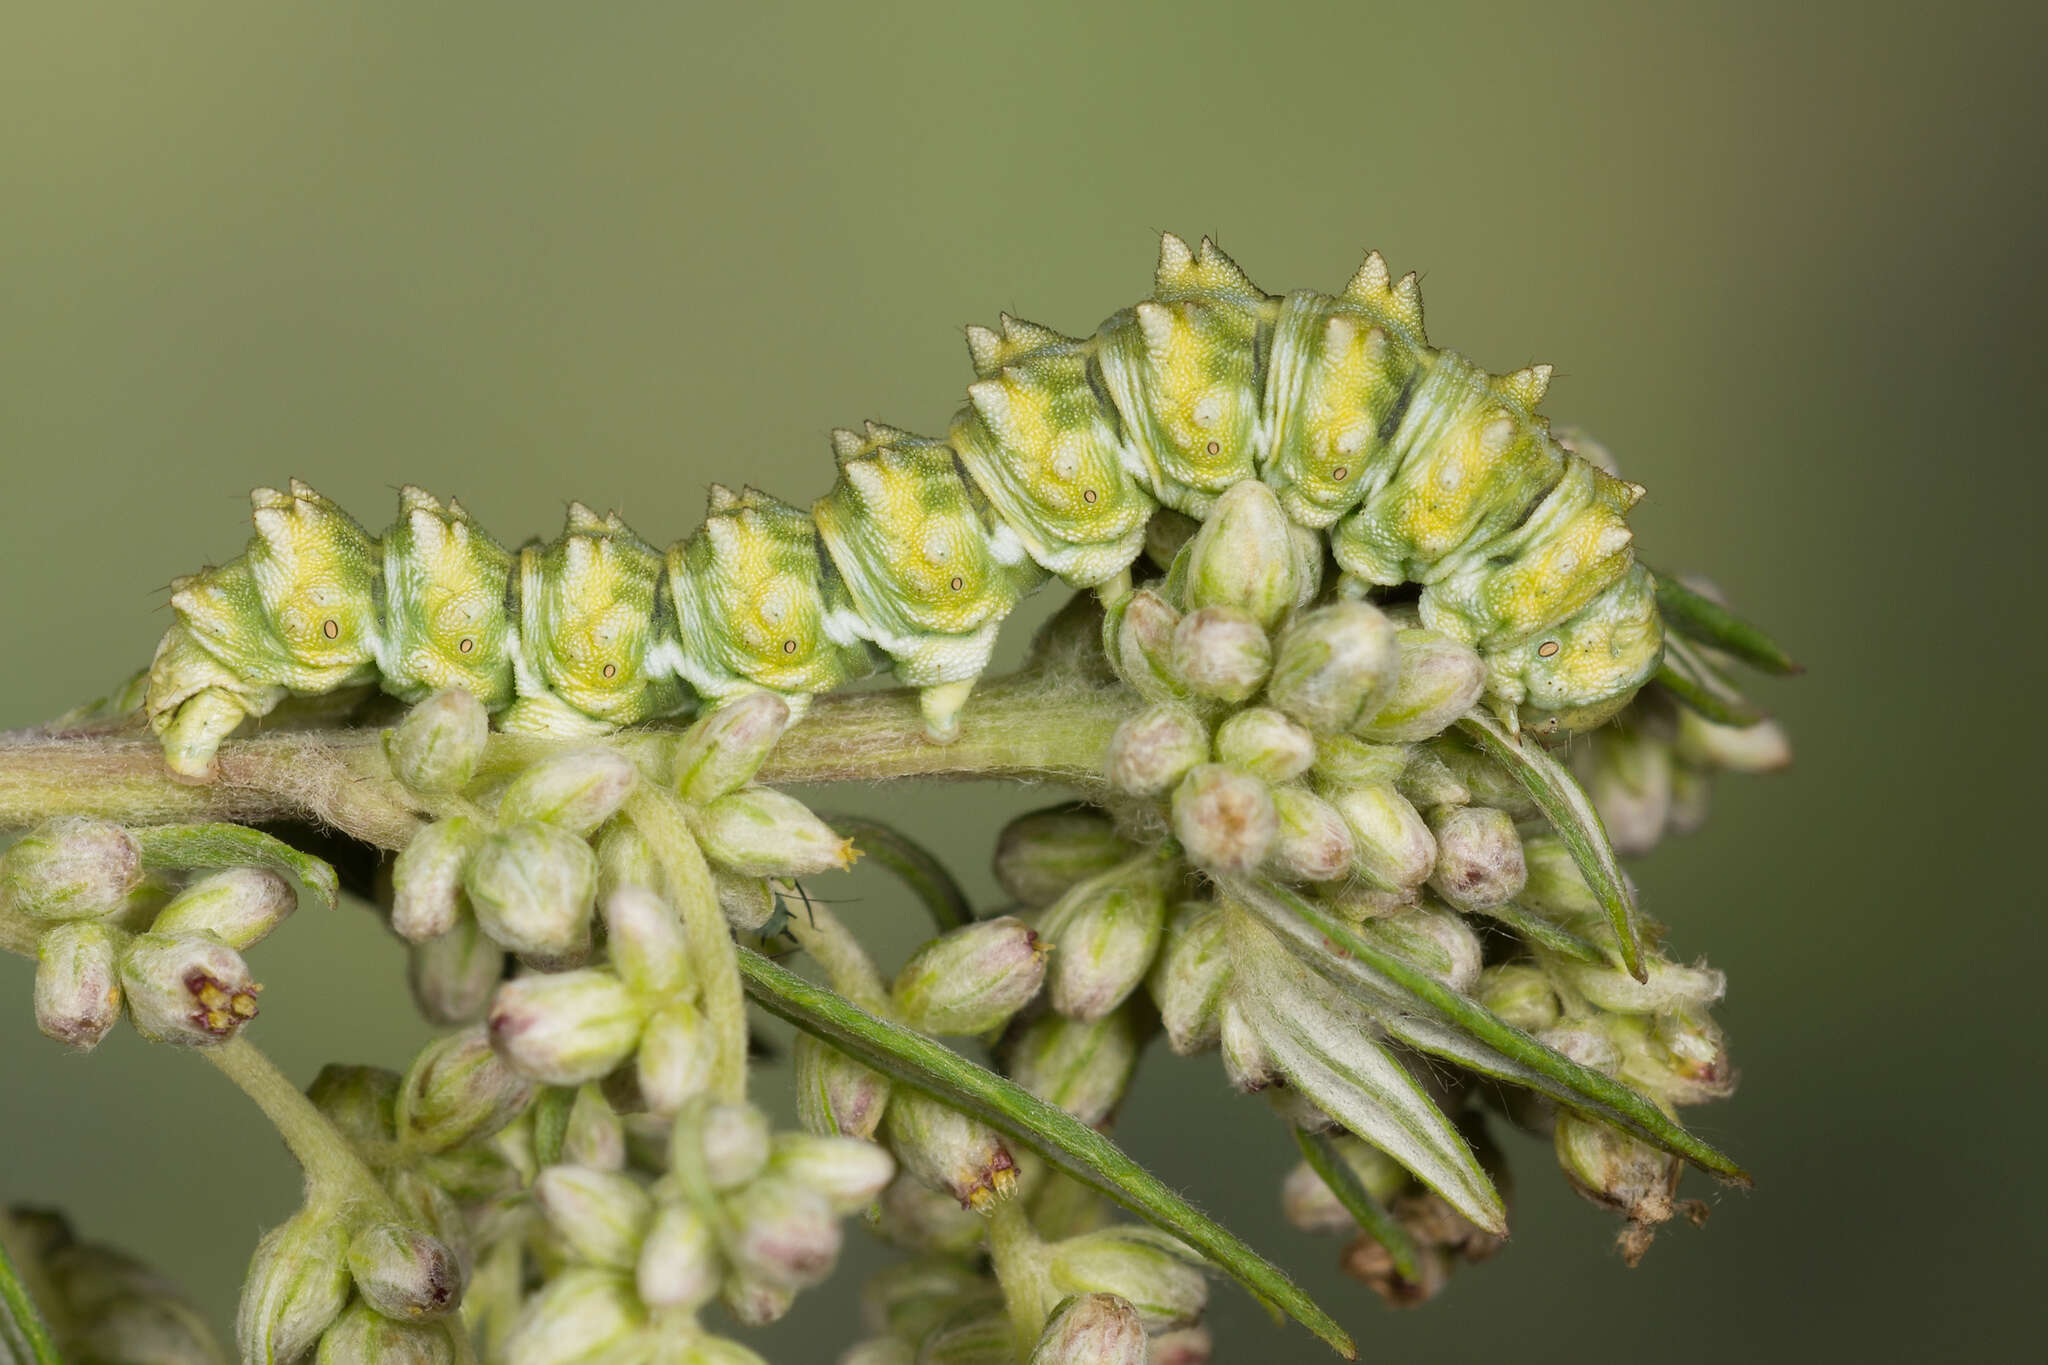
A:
x,y
847,965
327,1159
1014,1246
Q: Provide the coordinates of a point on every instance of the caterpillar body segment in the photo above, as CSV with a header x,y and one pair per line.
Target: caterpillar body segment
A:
x,y
1408,464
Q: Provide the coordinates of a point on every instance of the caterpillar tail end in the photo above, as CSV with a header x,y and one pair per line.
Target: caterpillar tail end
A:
x,y
941,705
193,737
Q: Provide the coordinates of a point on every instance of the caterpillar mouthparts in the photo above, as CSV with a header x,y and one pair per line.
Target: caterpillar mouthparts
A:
x,y
1410,464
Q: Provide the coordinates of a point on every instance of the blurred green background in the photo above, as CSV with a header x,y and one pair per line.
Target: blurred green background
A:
x,y
1786,259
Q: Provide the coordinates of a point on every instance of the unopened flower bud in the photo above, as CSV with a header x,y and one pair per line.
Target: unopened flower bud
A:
x,y
1437,941
1243,556
644,938
835,1095
1153,749
192,992
1391,845
1555,888
1314,843
1104,934
1083,1067
566,1028
1224,818
1685,1059
602,1215
1148,1268
1479,862
759,832
1266,744
917,1217
74,867
452,976
679,1265
576,791
533,887
849,1173
238,906
1520,994
1310,1205
1222,653
748,903
1628,777
1670,986
1585,1044
1139,634
436,748
971,979
678,1054
949,1151
974,1336
593,1138
363,1336
426,878
1436,680
1190,975
78,983
1183,1346
1617,1171
403,1273
458,1090
1245,1059
1758,748
361,1101
1092,1329
1332,664
579,1315
907,1299
782,1233
721,752
755,1302
1042,853
1346,761
298,1281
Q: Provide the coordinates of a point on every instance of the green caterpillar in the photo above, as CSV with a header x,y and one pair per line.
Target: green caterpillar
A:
x,y
1415,465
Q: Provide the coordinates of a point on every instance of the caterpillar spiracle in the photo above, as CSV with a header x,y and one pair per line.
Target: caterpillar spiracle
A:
x,y
1410,463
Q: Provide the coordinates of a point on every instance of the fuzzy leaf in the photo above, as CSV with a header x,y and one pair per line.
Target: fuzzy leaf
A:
x,y
226,845
1539,932
1329,1164
1687,675
1701,618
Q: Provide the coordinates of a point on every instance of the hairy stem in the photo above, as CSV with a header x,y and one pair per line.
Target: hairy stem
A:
x,y
325,1156
1014,1247
847,965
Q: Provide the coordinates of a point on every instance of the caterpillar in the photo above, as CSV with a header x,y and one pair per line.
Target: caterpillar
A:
x,y
1413,464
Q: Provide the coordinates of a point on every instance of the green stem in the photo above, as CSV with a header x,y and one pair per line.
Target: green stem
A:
x,y
847,965
1014,1247
325,1156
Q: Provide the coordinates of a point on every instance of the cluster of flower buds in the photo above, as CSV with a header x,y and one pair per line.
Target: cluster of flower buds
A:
x,y
102,1304
108,932
1651,772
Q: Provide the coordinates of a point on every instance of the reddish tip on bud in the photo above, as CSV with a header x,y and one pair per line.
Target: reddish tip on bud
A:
x,y
566,1028
1479,862
949,1152
1153,749
835,1095
1314,843
972,979
1092,1329
403,1273
1222,653
189,991
1224,818
78,983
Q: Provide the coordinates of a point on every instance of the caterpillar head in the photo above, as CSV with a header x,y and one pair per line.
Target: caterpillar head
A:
x,y
316,571
587,600
447,618
1579,674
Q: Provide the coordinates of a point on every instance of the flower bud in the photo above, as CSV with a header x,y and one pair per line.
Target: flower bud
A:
x,y
1148,1268
721,752
593,1138
298,1281
1478,857
949,1151
1433,939
452,976
1555,888
748,903
732,1140
1222,653
907,1299
1332,664
973,1336
426,878
78,983
1190,975
533,887
1392,849
1758,748
403,1273
917,1217
458,1090
238,906
759,832
1670,986
1310,1205
1104,933
192,992
1138,633
363,1336
1585,1044
1150,751
361,1101
679,1265
755,1302
849,1173
1083,1067
835,1095
1092,1329
1265,744
1224,819
677,1057
1487,782
567,1028
1628,776
578,1316
1245,1059
602,1215
781,1233
644,939
1183,1346
73,867
1243,556
1520,994
1314,843
972,979
1436,680
1042,853
1616,1171
436,748
1346,761
576,791
1684,1059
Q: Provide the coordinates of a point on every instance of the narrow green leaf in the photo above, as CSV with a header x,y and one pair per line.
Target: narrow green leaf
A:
x,y
24,1338
1327,1162
913,864
1703,619
1058,1136
1570,812
1542,933
1688,676
226,845
1422,1011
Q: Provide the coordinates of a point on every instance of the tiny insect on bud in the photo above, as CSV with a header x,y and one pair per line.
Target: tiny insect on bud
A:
x,y
1222,653
1313,843
1332,665
782,1233
404,1273
567,1028
1138,635
458,1090
188,991
1628,776
759,832
238,906
1092,1329
1153,749
1084,1067
436,748
644,938
452,976
1479,863
1265,744
1224,819
1042,853
748,903
1435,681
297,1283
1148,1268
1391,845
427,878
1104,934
70,868
580,1315
849,1173
576,791
533,887
1189,976
363,1336
949,1151
679,1265
1520,994
971,979
601,1215
1618,1172
678,1055
78,983
1243,556
720,753
731,1140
